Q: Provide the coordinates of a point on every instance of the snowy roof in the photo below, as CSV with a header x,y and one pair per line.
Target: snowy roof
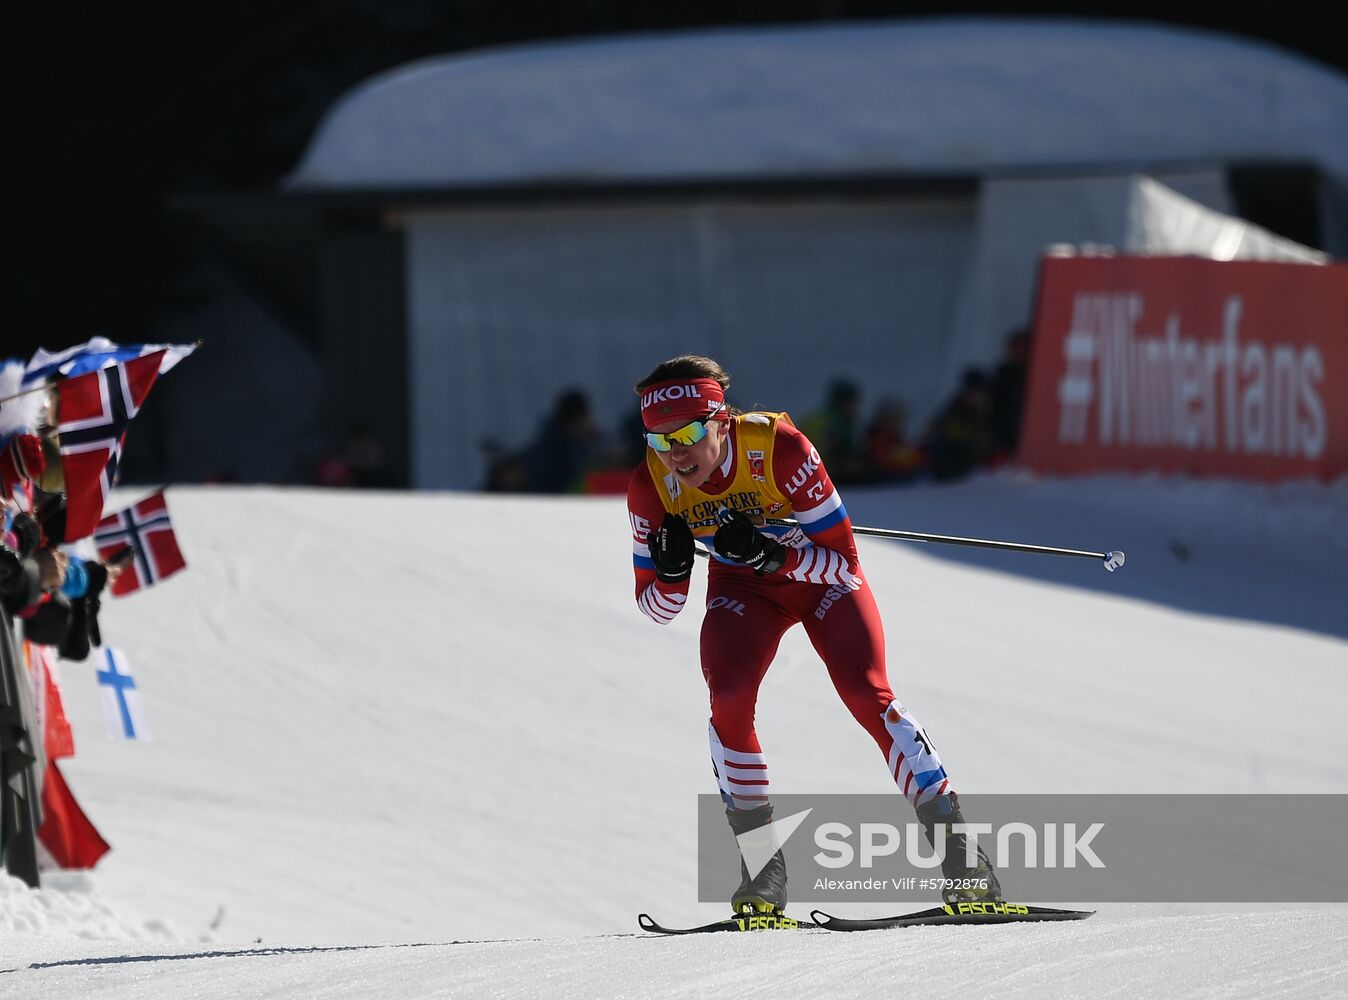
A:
x,y
924,96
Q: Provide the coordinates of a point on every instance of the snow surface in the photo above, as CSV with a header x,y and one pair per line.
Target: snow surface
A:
x,y
918,95
387,723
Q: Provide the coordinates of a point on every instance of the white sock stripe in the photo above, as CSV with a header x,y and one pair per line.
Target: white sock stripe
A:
x,y
748,801
742,777
894,751
917,757
755,777
931,792
746,770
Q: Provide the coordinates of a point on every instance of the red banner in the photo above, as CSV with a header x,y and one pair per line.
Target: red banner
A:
x,y
1177,364
72,841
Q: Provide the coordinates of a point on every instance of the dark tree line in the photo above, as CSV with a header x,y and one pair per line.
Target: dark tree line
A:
x,y
114,107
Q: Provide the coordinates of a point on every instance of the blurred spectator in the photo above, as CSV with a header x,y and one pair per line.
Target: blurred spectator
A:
x,y
365,456
505,469
835,431
960,438
359,464
22,576
630,450
890,456
612,466
1008,392
66,614
20,736
977,425
565,445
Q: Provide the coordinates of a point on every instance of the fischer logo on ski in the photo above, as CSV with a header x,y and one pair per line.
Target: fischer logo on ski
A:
x,y
978,906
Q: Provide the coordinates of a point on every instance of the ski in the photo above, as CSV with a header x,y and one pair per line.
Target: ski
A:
x,y
739,922
959,913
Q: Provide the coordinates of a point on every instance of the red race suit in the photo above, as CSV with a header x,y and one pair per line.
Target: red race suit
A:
x,y
772,471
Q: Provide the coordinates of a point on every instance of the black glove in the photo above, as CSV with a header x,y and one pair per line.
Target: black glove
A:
x,y
77,641
98,579
671,547
739,541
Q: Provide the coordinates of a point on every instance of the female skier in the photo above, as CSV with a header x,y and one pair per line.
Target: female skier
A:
x,y
714,474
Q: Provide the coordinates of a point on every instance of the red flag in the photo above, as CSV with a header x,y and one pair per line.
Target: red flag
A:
x,y
94,411
58,738
66,832
144,529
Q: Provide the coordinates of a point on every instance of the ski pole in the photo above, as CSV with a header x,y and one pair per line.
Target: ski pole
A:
x,y
1112,560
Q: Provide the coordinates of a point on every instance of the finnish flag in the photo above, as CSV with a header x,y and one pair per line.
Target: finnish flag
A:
x,y
123,711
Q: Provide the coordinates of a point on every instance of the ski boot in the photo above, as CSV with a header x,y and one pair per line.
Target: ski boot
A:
x,y
764,893
968,884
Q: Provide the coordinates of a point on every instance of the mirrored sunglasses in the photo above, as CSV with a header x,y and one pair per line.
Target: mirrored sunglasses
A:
x,y
687,435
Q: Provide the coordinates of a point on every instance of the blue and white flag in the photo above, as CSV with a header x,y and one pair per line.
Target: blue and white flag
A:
x,y
123,711
95,354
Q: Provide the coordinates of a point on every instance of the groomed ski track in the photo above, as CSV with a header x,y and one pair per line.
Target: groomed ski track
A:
x,y
1127,952
390,720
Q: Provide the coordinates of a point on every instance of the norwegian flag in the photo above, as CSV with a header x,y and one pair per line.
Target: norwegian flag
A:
x,y
147,531
93,412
